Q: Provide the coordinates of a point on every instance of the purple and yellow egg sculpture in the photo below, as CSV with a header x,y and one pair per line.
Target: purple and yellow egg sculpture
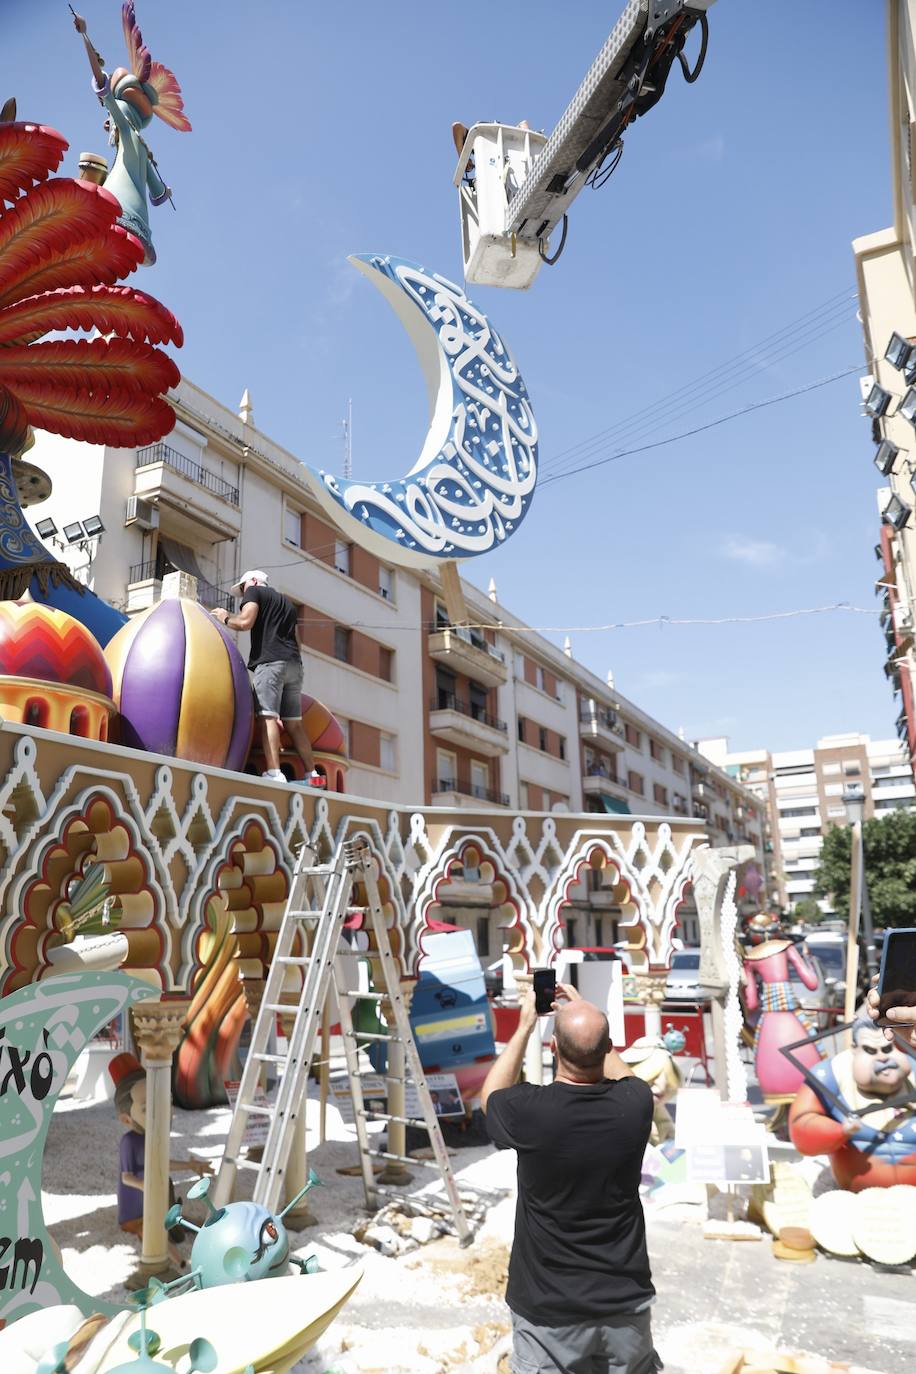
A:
x,y
181,686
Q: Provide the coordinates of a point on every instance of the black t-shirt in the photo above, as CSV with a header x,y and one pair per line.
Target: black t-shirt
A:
x,y
273,634
580,1234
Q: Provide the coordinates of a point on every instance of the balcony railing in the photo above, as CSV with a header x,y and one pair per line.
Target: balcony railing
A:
x,y
474,638
207,594
469,789
162,453
603,716
448,701
141,572
597,770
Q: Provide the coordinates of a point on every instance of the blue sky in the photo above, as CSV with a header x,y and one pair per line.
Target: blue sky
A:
x,y
324,130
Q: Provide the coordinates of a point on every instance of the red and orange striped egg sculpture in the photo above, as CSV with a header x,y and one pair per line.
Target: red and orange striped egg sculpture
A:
x,y
181,686
322,727
40,643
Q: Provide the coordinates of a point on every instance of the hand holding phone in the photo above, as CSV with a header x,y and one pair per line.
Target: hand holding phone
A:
x,y
544,983
897,980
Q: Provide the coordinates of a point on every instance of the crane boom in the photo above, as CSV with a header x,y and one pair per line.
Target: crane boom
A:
x,y
515,186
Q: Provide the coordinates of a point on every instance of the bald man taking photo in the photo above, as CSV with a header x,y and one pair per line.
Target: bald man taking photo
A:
x,y
579,1285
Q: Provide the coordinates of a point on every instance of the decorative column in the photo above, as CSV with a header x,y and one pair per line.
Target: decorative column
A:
x,y
296,1173
651,993
394,1172
157,1027
533,1063
715,881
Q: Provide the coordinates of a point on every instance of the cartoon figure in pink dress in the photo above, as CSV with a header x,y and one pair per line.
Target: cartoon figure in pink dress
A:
x,y
767,986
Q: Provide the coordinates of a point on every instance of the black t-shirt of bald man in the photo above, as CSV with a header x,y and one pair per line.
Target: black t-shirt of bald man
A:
x,y
580,1235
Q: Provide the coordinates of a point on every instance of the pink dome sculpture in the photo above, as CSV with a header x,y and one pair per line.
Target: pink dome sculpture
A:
x,y
328,741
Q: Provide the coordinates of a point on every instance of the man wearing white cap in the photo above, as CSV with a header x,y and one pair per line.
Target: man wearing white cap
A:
x,y
276,667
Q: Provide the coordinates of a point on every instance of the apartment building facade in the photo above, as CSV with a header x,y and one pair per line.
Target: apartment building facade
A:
x,y
484,711
803,791
886,282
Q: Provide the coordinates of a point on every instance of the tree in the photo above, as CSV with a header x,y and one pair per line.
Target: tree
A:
x,y
890,868
808,911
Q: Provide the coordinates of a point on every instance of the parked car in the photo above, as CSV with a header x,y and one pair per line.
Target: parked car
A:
x,y
829,949
682,984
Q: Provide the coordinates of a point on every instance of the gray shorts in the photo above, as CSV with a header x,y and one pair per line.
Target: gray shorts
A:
x,y
619,1345
278,689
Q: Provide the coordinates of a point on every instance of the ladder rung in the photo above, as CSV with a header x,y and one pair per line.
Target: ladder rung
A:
x,y
403,1159
386,1116
254,1110
268,1058
366,996
289,1009
294,959
306,914
370,1035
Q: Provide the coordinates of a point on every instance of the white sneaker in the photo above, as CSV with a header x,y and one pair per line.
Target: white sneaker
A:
x,y
316,779
274,775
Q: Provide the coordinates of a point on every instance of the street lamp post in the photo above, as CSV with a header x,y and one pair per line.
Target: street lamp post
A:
x,y
854,802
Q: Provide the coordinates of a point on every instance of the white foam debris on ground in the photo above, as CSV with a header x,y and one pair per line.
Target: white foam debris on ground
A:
x,y
431,1309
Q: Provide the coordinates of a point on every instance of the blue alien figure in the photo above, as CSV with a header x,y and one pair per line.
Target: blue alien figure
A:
x,y
239,1242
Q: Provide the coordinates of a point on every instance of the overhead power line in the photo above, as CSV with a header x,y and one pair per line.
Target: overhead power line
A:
x,y
700,429
765,353
660,621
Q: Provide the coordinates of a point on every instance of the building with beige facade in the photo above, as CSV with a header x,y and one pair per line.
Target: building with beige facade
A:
x,y
482,712
886,277
802,791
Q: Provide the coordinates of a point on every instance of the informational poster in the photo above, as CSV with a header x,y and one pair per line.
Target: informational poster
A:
x,y
443,1092
257,1126
724,1143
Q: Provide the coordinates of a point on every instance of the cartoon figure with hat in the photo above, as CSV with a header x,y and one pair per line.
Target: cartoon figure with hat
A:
x,y
651,1059
131,99
129,1078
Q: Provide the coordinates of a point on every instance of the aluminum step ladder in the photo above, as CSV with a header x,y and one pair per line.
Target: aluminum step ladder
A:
x,y
314,918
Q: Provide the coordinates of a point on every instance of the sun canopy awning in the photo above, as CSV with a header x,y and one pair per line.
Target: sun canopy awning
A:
x,y
613,805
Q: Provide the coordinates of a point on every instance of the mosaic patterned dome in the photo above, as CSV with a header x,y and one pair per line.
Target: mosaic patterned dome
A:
x,y
50,646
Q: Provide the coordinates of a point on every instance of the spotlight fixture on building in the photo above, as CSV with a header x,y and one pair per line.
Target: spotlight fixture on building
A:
x,y
877,401
885,457
93,527
907,407
896,513
74,533
46,529
900,352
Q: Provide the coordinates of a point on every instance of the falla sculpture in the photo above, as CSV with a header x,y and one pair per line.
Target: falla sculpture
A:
x,y
132,97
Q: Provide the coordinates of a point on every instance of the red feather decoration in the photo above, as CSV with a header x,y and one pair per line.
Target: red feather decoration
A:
x,y
28,153
120,310
94,365
105,259
123,418
61,252
14,422
53,214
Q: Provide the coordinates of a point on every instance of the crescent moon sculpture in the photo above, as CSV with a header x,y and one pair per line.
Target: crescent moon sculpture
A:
x,y
472,484
43,1027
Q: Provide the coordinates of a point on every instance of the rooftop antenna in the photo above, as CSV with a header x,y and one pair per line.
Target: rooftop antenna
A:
x,y
347,427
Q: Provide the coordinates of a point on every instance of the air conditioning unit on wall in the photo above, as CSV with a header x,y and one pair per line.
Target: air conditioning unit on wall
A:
x,y
141,513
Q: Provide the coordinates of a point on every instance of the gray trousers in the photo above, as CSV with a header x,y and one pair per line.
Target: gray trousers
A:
x,y
619,1345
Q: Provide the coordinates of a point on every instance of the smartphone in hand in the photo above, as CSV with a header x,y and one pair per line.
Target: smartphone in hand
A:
x,y
897,980
545,990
